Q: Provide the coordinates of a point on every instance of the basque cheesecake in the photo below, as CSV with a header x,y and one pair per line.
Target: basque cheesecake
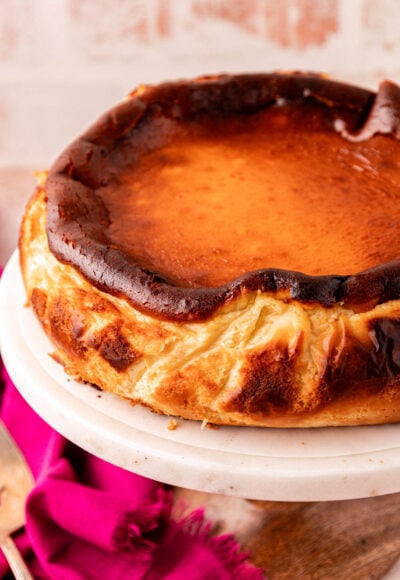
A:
x,y
226,249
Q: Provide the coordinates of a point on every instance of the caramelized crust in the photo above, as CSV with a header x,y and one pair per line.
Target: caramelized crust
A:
x,y
225,250
78,224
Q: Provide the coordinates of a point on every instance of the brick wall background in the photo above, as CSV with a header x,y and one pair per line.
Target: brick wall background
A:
x,y
62,62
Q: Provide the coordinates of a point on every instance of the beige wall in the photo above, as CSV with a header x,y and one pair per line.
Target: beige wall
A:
x,y
62,62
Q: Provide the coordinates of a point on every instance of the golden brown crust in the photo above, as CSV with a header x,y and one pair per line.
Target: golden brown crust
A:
x,y
258,361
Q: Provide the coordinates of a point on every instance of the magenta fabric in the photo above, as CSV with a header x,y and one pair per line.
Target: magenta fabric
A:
x,y
89,520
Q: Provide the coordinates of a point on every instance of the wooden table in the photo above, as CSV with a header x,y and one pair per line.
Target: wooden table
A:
x,y
336,540
357,539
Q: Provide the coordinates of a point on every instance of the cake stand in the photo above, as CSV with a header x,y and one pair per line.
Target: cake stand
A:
x,y
253,463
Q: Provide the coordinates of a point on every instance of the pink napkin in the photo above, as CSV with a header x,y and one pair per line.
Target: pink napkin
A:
x,y
87,519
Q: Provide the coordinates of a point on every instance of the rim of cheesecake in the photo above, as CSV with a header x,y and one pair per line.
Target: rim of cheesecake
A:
x,y
191,138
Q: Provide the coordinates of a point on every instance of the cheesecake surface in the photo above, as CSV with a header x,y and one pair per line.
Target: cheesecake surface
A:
x,y
277,189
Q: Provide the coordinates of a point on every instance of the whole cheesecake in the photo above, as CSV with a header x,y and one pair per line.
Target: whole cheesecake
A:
x,y
226,249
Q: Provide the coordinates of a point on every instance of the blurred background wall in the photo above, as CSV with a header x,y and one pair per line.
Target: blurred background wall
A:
x,y
62,62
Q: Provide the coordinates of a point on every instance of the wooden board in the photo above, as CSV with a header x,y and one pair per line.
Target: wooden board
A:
x,y
357,539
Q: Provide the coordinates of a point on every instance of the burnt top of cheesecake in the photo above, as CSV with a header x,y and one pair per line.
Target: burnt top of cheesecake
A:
x,y
189,193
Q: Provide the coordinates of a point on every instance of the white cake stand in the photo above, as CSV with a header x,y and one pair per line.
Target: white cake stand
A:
x,y
253,463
